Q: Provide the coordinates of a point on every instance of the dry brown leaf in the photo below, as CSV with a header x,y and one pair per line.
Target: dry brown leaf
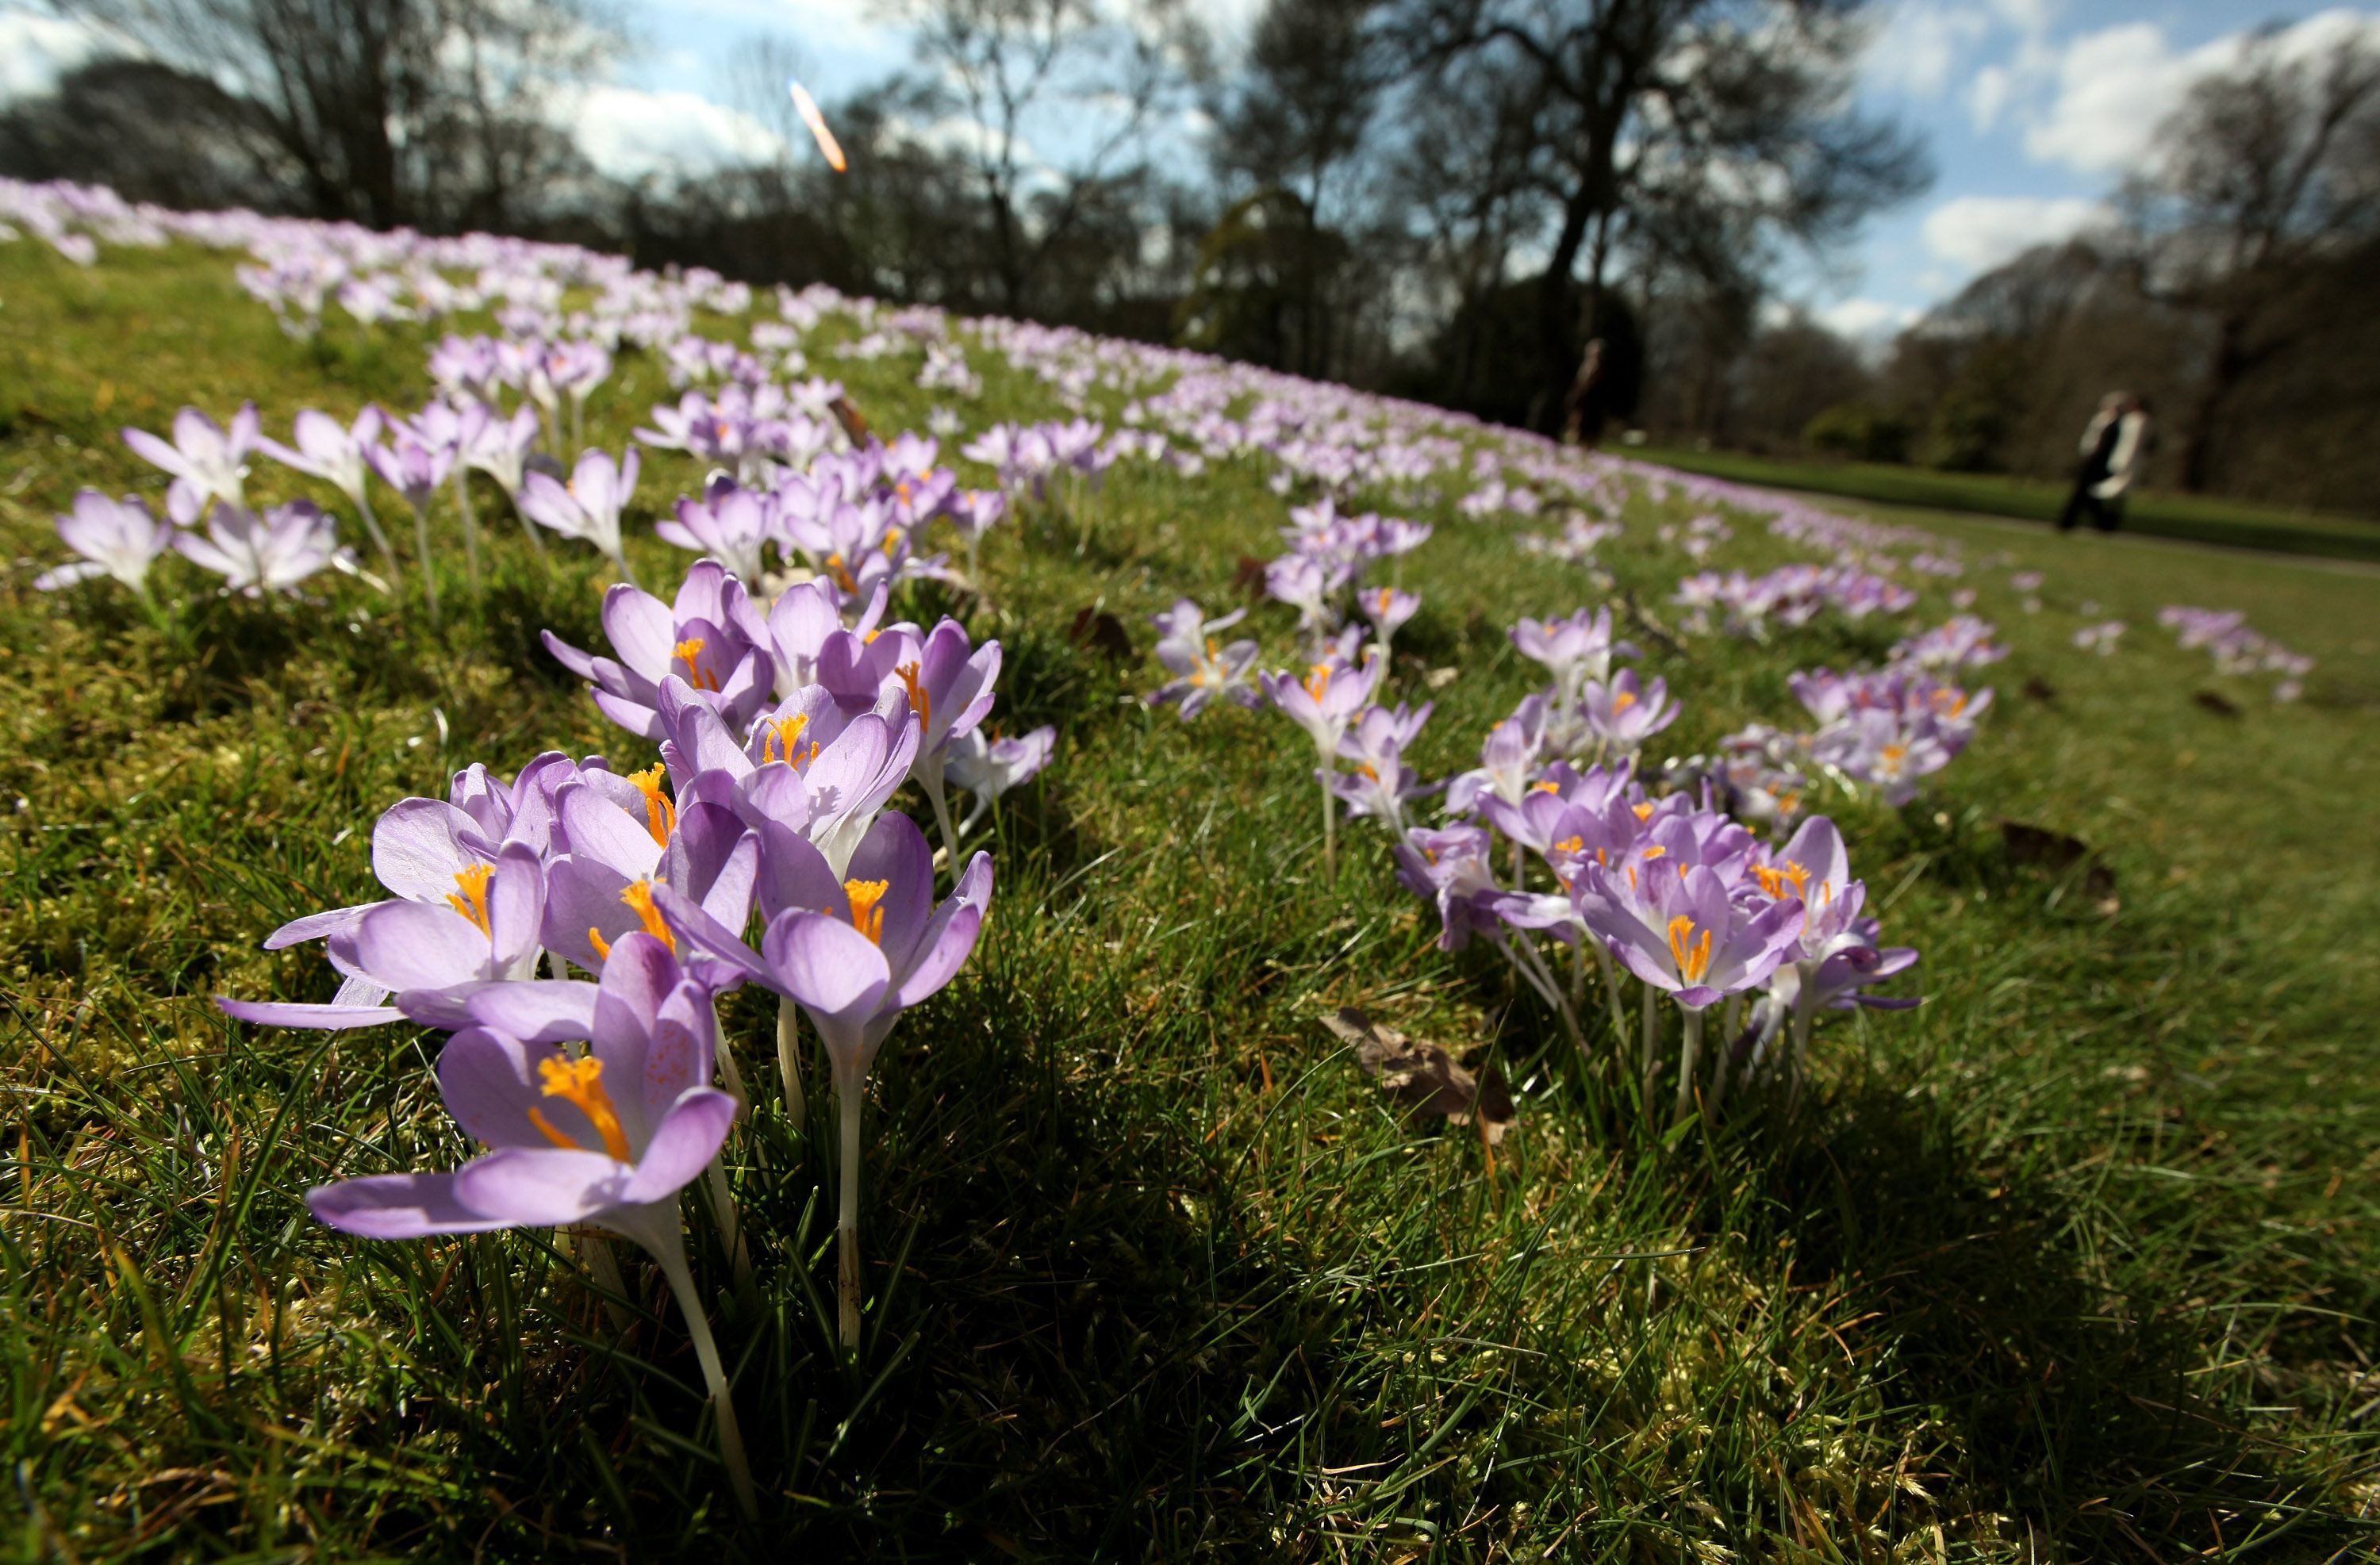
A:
x,y
2056,851
1425,1077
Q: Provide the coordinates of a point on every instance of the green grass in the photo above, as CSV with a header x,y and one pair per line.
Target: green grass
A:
x,y
2075,1262
2193,519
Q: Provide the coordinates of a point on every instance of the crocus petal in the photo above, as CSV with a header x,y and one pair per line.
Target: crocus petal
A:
x,y
489,1082
541,1186
683,1144
825,964
324,1018
400,1206
538,1010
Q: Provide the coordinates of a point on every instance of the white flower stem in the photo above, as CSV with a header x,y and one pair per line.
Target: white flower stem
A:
x,y
380,540
470,527
723,1211
1652,1041
847,1095
537,544
789,1061
1799,1064
714,1375
428,570
930,779
1690,1054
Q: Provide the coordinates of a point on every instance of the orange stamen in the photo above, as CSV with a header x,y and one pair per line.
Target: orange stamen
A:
x,y
473,902
661,815
778,734
638,895
685,652
579,1083
922,703
1693,960
866,912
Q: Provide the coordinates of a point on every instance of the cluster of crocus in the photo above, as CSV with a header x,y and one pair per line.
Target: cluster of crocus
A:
x,y
1667,890
1577,545
1322,577
1961,641
256,553
1790,595
759,848
2237,650
1888,728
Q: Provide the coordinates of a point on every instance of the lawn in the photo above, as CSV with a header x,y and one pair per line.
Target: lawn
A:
x,y
2076,1261
2193,519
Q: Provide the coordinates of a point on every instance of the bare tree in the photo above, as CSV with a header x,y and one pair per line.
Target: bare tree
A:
x,y
429,112
1090,78
2267,183
1698,131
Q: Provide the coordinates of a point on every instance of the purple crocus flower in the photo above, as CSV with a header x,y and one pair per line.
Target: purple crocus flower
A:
x,y
626,836
948,683
588,506
1382,784
1624,712
810,769
335,454
1576,650
206,462
1203,670
1324,703
711,637
260,554
987,767
1387,609
855,948
734,525
1508,759
116,538
1452,868
607,1138
1684,933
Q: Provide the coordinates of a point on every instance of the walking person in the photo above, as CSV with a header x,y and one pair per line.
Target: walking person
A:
x,y
2113,446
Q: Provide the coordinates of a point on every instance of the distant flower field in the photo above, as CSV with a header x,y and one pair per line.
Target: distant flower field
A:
x,y
656,915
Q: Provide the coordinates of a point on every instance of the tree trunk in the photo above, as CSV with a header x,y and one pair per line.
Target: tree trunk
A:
x,y
2222,374
1557,314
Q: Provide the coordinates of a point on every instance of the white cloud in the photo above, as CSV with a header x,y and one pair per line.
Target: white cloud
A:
x,y
2116,87
629,133
35,50
1864,319
1988,96
1918,48
1978,232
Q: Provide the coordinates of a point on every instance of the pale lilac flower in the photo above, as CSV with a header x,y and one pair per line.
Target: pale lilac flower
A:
x,y
1203,670
588,506
260,554
203,459
116,538
987,767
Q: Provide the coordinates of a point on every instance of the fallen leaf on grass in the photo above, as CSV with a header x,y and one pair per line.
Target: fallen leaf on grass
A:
x,y
1425,1077
2056,851
1096,630
846,413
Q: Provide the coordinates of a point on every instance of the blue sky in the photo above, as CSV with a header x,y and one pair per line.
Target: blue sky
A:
x,y
2034,108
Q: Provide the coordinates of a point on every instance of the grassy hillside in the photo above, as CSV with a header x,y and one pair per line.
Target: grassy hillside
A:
x,y
2192,519
2077,1261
